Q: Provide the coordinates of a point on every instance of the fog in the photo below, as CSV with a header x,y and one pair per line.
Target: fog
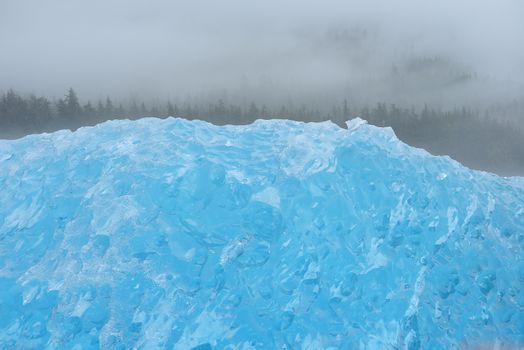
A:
x,y
409,52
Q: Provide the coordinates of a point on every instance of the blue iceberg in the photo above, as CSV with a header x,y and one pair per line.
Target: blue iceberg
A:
x,y
162,234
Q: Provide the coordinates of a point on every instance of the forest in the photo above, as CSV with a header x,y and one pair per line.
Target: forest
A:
x,y
489,139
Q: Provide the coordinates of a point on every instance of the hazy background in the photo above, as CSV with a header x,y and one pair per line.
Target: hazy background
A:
x,y
448,76
408,52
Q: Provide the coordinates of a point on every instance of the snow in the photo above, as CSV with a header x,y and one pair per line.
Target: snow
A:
x,y
279,234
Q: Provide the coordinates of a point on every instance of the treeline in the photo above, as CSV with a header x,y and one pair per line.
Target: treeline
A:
x,y
490,139
37,114
479,139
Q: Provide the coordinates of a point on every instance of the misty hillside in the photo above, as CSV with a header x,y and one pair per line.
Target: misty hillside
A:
x,y
445,80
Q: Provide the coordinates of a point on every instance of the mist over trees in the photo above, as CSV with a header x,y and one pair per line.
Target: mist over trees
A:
x,y
489,138
444,79
410,51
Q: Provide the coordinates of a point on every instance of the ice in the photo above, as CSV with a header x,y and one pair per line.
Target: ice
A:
x,y
275,235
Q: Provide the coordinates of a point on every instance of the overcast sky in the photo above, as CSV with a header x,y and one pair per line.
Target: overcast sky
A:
x,y
161,48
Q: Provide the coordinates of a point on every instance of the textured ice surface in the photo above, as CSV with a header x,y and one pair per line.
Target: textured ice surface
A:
x,y
177,234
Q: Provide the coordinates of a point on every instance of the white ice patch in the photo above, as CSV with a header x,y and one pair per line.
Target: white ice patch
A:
x,y
268,195
374,257
233,250
208,327
304,156
452,226
418,289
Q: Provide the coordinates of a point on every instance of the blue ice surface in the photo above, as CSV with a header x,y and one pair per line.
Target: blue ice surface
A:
x,y
156,234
